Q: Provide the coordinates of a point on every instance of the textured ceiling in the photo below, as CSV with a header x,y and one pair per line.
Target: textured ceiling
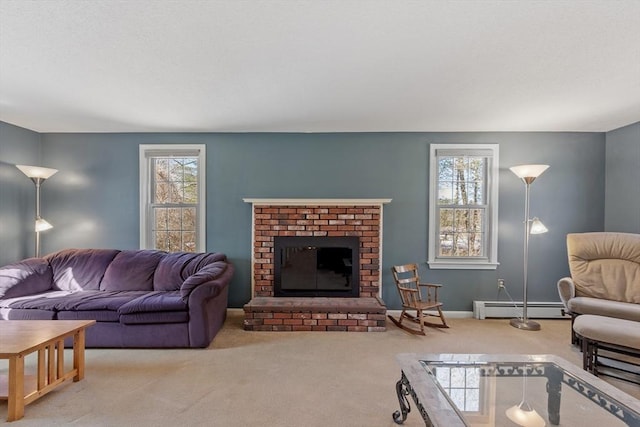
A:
x,y
319,66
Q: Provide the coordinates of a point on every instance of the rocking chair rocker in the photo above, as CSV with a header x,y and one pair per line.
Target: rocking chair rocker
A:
x,y
416,296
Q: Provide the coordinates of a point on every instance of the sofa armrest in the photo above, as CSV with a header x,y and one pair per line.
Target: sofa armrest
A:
x,y
208,308
207,274
27,277
566,290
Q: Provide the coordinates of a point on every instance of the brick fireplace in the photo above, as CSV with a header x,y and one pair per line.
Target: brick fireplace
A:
x,y
272,218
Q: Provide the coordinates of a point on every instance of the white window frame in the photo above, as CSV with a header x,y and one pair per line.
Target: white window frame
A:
x,y
171,150
491,240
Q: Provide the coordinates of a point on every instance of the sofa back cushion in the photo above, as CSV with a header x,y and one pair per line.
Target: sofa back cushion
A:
x,y
31,276
77,269
132,271
605,265
176,267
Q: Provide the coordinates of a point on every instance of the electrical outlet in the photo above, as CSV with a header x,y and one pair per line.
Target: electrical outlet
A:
x,y
500,284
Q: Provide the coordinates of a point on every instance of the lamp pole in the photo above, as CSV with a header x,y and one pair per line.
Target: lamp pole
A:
x,y
528,174
38,182
525,323
38,175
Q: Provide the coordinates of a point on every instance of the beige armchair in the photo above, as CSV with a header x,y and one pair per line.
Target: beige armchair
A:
x,y
605,275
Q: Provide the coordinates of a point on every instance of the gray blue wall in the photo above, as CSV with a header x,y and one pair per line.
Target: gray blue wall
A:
x,y
17,192
622,200
93,200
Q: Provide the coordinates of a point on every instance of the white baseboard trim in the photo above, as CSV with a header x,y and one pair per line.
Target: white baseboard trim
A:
x,y
396,313
447,314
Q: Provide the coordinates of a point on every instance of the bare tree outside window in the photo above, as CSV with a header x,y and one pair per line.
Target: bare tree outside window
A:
x,y
174,203
461,183
463,206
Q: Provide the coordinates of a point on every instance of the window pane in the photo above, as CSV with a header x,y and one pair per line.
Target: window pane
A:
x,y
174,240
175,218
190,193
461,220
445,192
189,241
176,192
161,169
160,221
176,169
161,194
189,219
476,244
161,239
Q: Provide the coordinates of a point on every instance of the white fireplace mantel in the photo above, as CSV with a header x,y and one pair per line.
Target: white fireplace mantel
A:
x,y
260,203
316,202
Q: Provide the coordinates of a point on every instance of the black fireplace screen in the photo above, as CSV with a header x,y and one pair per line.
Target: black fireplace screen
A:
x,y
317,266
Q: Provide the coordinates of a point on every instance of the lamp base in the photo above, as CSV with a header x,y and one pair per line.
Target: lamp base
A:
x,y
527,325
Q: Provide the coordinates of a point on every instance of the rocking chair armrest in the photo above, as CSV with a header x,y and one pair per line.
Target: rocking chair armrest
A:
x,y
430,285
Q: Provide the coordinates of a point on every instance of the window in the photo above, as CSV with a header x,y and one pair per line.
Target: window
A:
x,y
172,197
463,206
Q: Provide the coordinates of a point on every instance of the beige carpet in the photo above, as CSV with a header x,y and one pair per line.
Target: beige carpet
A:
x,y
273,378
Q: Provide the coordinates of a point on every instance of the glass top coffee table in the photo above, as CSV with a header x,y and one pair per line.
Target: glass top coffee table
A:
x,y
451,390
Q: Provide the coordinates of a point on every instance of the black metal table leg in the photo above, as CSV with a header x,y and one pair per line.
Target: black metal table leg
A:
x,y
402,389
554,394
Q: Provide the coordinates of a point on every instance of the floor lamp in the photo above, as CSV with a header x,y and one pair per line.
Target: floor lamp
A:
x,y
528,174
38,175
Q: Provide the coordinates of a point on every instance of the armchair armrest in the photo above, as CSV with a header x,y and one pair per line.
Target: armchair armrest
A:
x,y
566,290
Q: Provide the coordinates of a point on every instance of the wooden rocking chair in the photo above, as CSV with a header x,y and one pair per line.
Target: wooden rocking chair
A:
x,y
416,296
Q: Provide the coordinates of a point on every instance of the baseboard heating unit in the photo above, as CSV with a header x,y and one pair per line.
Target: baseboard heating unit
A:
x,y
507,309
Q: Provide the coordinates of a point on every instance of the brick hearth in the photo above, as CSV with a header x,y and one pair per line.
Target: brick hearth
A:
x,y
316,217
315,314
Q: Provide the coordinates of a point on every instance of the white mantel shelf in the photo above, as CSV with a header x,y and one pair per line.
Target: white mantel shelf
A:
x,y
316,202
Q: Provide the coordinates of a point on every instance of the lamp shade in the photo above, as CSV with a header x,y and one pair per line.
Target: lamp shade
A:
x,y
537,227
37,171
528,171
42,225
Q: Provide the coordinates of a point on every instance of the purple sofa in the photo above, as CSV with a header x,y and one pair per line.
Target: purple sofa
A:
x,y
139,298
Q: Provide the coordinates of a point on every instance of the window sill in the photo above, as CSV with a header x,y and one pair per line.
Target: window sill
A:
x,y
458,265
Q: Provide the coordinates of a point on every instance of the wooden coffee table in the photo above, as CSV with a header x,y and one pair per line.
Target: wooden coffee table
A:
x,y
18,338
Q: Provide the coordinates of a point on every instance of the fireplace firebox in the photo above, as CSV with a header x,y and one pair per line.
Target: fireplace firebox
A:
x,y
316,266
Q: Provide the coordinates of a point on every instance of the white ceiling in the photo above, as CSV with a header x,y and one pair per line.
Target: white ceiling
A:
x,y
319,66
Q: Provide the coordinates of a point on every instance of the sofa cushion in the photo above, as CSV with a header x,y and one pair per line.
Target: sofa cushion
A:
x,y
176,267
33,276
69,301
97,315
76,269
155,317
132,271
605,265
41,301
95,300
154,302
26,314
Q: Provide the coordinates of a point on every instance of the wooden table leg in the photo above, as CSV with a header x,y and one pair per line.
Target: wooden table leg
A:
x,y
78,354
16,388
